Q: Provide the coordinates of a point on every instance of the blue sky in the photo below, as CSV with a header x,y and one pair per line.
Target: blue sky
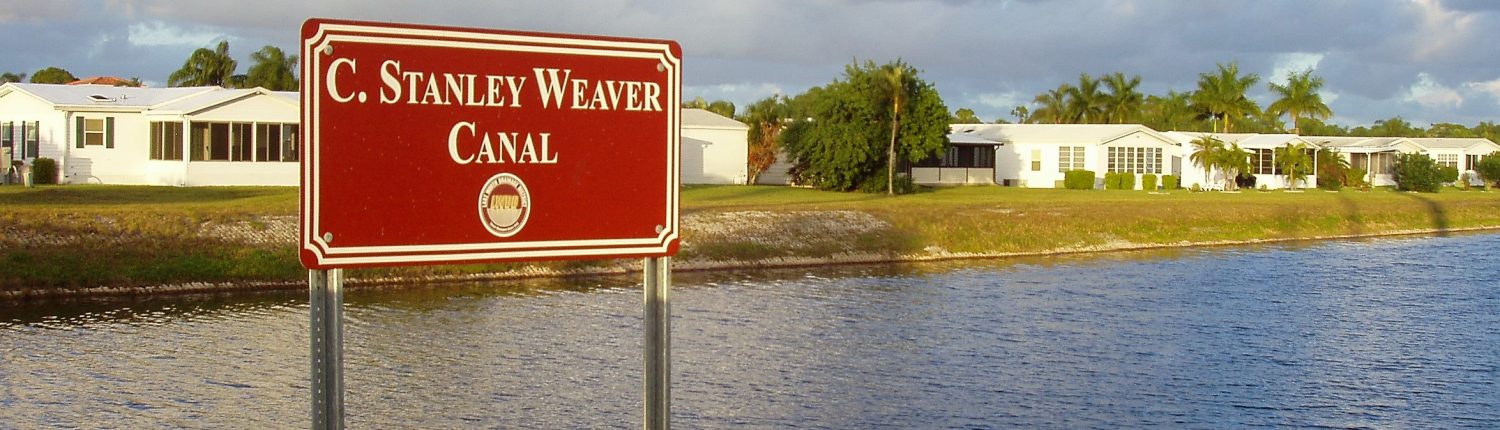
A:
x,y
1424,60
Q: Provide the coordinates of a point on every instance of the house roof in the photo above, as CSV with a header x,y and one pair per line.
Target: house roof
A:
x,y
1244,140
198,102
103,96
1055,133
1360,144
101,80
1454,143
969,139
704,119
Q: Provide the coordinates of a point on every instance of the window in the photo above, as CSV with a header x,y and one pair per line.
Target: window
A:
x,y
166,141
31,144
1264,161
1036,160
289,142
268,142
1473,161
1134,160
1069,158
243,141
93,131
240,146
8,136
1450,160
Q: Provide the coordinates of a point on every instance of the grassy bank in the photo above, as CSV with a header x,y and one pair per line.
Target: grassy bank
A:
x,y
71,237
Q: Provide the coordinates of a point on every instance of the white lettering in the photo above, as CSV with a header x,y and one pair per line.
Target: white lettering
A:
x,y
550,86
453,142
392,83
333,80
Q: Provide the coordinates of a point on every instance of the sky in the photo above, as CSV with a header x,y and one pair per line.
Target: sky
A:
x,y
1427,61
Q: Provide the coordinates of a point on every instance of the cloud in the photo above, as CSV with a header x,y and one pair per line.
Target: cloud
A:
x,y
1490,87
1431,94
159,33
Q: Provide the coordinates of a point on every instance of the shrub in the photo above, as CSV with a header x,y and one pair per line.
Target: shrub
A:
x,y
1111,181
1196,187
1488,169
876,184
44,171
1127,181
1447,174
1078,179
1354,177
1148,182
1416,172
1170,182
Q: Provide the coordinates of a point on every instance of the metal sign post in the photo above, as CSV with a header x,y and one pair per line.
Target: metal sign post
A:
x,y
326,295
658,344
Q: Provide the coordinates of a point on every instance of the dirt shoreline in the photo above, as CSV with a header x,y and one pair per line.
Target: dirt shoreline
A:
x,y
626,267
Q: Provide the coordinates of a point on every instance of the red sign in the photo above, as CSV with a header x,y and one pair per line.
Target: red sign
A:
x,y
427,144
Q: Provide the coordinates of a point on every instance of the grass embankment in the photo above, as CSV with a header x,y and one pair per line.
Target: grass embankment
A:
x,y
87,236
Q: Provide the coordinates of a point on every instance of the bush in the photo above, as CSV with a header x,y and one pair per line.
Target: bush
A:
x,y
1355,178
1127,181
1148,182
1119,181
1170,182
876,184
1078,179
1488,169
1417,172
1447,174
44,171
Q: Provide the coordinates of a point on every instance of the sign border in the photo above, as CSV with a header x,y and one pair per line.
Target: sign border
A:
x,y
318,39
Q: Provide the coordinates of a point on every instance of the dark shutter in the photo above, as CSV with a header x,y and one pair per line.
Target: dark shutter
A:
x,y
78,138
109,132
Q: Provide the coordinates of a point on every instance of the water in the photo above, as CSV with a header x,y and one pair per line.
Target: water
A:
x,y
1389,333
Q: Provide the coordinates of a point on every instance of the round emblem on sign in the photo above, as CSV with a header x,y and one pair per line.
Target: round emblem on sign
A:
x,y
504,205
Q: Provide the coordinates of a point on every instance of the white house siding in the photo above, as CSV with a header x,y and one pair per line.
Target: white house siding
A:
x,y
235,173
17,108
100,164
714,152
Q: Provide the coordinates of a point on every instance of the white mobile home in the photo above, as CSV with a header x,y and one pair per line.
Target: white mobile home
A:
x,y
1375,155
1037,155
715,148
153,136
1263,162
1460,153
970,159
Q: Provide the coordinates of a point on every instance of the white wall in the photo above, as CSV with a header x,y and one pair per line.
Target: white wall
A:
x,y
236,173
18,107
714,155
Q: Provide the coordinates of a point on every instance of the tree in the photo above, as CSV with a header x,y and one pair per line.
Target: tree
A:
x,y
1332,169
1234,160
52,75
1488,169
722,107
1086,104
897,89
1206,154
966,116
844,142
1448,129
1299,97
1295,163
1222,95
1393,127
1022,114
766,118
1123,104
205,68
12,77
1316,127
1416,172
1173,111
273,70
1052,105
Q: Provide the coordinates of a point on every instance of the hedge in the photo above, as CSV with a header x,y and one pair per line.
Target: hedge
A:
x,y
44,171
1170,182
1148,182
1078,179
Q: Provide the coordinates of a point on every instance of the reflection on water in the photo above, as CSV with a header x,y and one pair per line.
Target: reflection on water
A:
x,y
1387,333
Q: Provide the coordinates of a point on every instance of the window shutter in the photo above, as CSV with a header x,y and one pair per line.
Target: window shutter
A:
x,y
78,137
109,132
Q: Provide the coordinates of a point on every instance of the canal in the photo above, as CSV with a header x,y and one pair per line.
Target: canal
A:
x,y
1383,333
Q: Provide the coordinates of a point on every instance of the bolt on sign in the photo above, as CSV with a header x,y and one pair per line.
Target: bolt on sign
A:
x,y
425,144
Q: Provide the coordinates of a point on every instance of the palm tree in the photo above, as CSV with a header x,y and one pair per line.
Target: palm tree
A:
x,y
1294,162
1021,113
205,67
1123,103
1051,105
273,70
1299,97
1234,160
1332,168
1086,104
1222,95
1207,152
897,88
1170,112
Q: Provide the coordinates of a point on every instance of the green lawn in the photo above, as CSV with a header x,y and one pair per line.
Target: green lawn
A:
x,y
127,235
